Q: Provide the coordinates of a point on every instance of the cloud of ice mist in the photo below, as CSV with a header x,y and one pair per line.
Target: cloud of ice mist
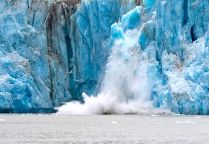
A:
x,y
104,104
125,88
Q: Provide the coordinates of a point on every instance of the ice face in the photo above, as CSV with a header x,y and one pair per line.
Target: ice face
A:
x,y
48,55
91,44
154,56
24,65
159,59
148,3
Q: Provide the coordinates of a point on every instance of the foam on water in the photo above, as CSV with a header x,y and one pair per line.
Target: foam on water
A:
x,y
2,120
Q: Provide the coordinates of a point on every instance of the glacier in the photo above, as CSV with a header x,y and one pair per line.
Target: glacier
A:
x,y
46,46
104,56
158,62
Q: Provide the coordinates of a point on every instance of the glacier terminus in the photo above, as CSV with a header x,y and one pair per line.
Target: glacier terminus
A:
x,y
104,56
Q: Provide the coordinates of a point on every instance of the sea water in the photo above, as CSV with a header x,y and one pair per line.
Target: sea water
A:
x,y
103,129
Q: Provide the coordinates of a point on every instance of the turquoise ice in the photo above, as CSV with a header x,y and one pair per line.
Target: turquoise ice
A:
x,y
53,51
173,42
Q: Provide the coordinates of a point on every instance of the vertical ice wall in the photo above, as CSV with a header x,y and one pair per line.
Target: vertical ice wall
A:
x,y
172,51
52,51
23,65
34,64
125,87
42,50
181,34
90,37
178,34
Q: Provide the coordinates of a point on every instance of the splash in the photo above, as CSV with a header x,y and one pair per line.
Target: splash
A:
x,y
125,88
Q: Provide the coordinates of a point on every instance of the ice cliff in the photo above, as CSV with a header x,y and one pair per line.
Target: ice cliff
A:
x,y
155,56
158,62
31,70
50,50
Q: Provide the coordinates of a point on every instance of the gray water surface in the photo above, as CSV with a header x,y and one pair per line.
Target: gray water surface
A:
x,y
113,129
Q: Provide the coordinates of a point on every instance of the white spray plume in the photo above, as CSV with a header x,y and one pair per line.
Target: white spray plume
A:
x,y
125,88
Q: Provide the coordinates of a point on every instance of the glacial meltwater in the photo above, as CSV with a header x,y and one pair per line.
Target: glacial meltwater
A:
x,y
104,129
